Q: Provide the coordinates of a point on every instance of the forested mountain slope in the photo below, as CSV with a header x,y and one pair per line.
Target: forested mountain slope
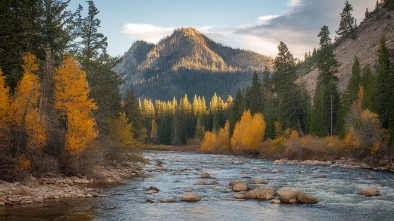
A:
x,y
210,66
364,46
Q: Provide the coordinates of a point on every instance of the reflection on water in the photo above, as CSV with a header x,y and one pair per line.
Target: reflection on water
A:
x,y
335,188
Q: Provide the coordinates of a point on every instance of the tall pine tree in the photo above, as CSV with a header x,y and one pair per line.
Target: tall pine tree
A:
x,y
326,100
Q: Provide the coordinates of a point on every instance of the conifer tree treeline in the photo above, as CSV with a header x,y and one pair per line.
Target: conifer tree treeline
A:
x,y
60,99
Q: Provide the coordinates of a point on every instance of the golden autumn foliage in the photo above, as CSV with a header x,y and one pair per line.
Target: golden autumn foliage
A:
x,y
217,143
5,109
122,132
248,133
209,142
365,134
73,103
25,113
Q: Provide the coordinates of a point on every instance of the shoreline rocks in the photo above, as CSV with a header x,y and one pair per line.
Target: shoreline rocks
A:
x,y
39,190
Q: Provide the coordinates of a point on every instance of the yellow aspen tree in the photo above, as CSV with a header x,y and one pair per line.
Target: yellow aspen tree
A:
x,y
25,105
248,133
122,132
224,143
239,137
5,110
73,103
209,142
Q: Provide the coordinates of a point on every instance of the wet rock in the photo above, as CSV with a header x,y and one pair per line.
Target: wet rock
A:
x,y
237,162
277,171
119,193
206,176
201,182
259,181
287,193
149,200
154,189
240,187
214,182
292,201
233,182
159,163
305,199
239,196
370,191
226,190
190,197
171,200
264,193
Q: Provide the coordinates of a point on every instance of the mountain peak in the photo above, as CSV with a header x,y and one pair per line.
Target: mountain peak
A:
x,y
187,31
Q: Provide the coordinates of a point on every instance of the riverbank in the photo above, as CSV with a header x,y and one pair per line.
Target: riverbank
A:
x,y
56,186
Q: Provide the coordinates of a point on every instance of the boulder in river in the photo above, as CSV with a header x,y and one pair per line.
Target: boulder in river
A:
x,y
206,176
190,197
240,187
154,189
233,182
214,182
201,182
370,191
264,193
305,199
287,193
259,181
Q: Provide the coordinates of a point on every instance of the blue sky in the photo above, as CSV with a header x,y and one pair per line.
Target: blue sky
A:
x,y
257,25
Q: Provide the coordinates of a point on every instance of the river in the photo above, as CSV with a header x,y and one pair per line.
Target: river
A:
x,y
335,188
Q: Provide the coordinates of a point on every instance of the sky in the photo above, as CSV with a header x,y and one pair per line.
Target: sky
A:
x,y
256,25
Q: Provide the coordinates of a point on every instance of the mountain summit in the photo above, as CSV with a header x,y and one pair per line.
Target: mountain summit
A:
x,y
186,49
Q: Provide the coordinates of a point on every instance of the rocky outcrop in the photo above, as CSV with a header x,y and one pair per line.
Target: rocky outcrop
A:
x,y
370,191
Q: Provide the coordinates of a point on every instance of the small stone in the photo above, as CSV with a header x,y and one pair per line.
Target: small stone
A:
x,y
259,181
277,171
201,182
2,203
154,188
238,196
226,191
206,176
214,182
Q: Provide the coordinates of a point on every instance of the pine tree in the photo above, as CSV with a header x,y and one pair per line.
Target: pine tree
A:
x,y
369,83
131,109
346,24
293,104
237,110
385,81
91,43
256,97
326,100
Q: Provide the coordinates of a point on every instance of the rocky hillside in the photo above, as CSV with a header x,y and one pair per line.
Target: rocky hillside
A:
x,y
365,47
185,49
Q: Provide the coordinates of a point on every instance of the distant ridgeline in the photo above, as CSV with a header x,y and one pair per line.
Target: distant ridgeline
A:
x,y
188,62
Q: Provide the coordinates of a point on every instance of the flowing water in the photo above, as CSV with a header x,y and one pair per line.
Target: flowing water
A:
x,y
335,188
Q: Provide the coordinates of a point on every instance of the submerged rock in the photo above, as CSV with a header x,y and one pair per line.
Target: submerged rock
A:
x,y
201,182
370,191
239,196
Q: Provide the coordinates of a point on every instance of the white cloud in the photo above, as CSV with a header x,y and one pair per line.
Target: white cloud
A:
x,y
146,32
